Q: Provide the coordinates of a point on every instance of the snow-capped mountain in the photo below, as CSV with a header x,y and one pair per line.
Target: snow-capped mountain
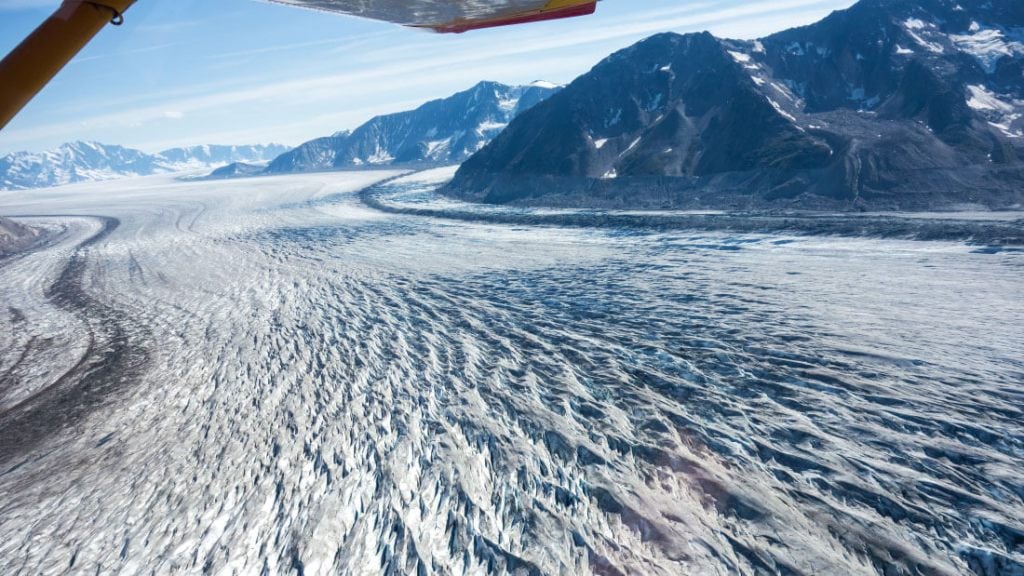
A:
x,y
213,155
445,131
91,161
863,57
72,162
889,104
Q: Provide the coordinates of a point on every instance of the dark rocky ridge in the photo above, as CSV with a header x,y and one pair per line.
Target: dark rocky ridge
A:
x,y
15,236
989,236
236,170
887,105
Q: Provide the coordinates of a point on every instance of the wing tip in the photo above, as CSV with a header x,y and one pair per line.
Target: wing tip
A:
x,y
572,10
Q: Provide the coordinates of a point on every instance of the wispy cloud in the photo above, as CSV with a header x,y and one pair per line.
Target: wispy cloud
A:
x,y
123,53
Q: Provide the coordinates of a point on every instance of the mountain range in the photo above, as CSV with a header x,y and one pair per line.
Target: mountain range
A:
x,y
889,104
445,131
91,161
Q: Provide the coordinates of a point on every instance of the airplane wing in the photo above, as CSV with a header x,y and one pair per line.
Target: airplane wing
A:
x,y
453,16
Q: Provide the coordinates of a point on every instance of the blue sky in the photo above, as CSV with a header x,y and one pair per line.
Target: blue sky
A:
x,y
183,72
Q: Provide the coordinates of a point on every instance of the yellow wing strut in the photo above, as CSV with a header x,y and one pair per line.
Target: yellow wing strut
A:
x,y
28,68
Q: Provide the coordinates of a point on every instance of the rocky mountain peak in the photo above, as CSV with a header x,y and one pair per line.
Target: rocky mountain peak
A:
x,y
886,104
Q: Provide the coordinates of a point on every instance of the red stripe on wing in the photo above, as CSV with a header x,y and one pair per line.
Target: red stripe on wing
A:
x,y
568,12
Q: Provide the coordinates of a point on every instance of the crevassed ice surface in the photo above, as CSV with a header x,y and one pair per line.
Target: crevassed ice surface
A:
x,y
266,377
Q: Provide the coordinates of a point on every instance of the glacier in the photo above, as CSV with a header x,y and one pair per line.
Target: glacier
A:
x,y
269,376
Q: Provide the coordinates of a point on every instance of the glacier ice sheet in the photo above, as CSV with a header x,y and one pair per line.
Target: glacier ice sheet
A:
x,y
267,377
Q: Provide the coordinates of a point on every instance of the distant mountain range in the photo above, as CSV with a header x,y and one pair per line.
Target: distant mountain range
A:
x,y
91,161
890,104
443,131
